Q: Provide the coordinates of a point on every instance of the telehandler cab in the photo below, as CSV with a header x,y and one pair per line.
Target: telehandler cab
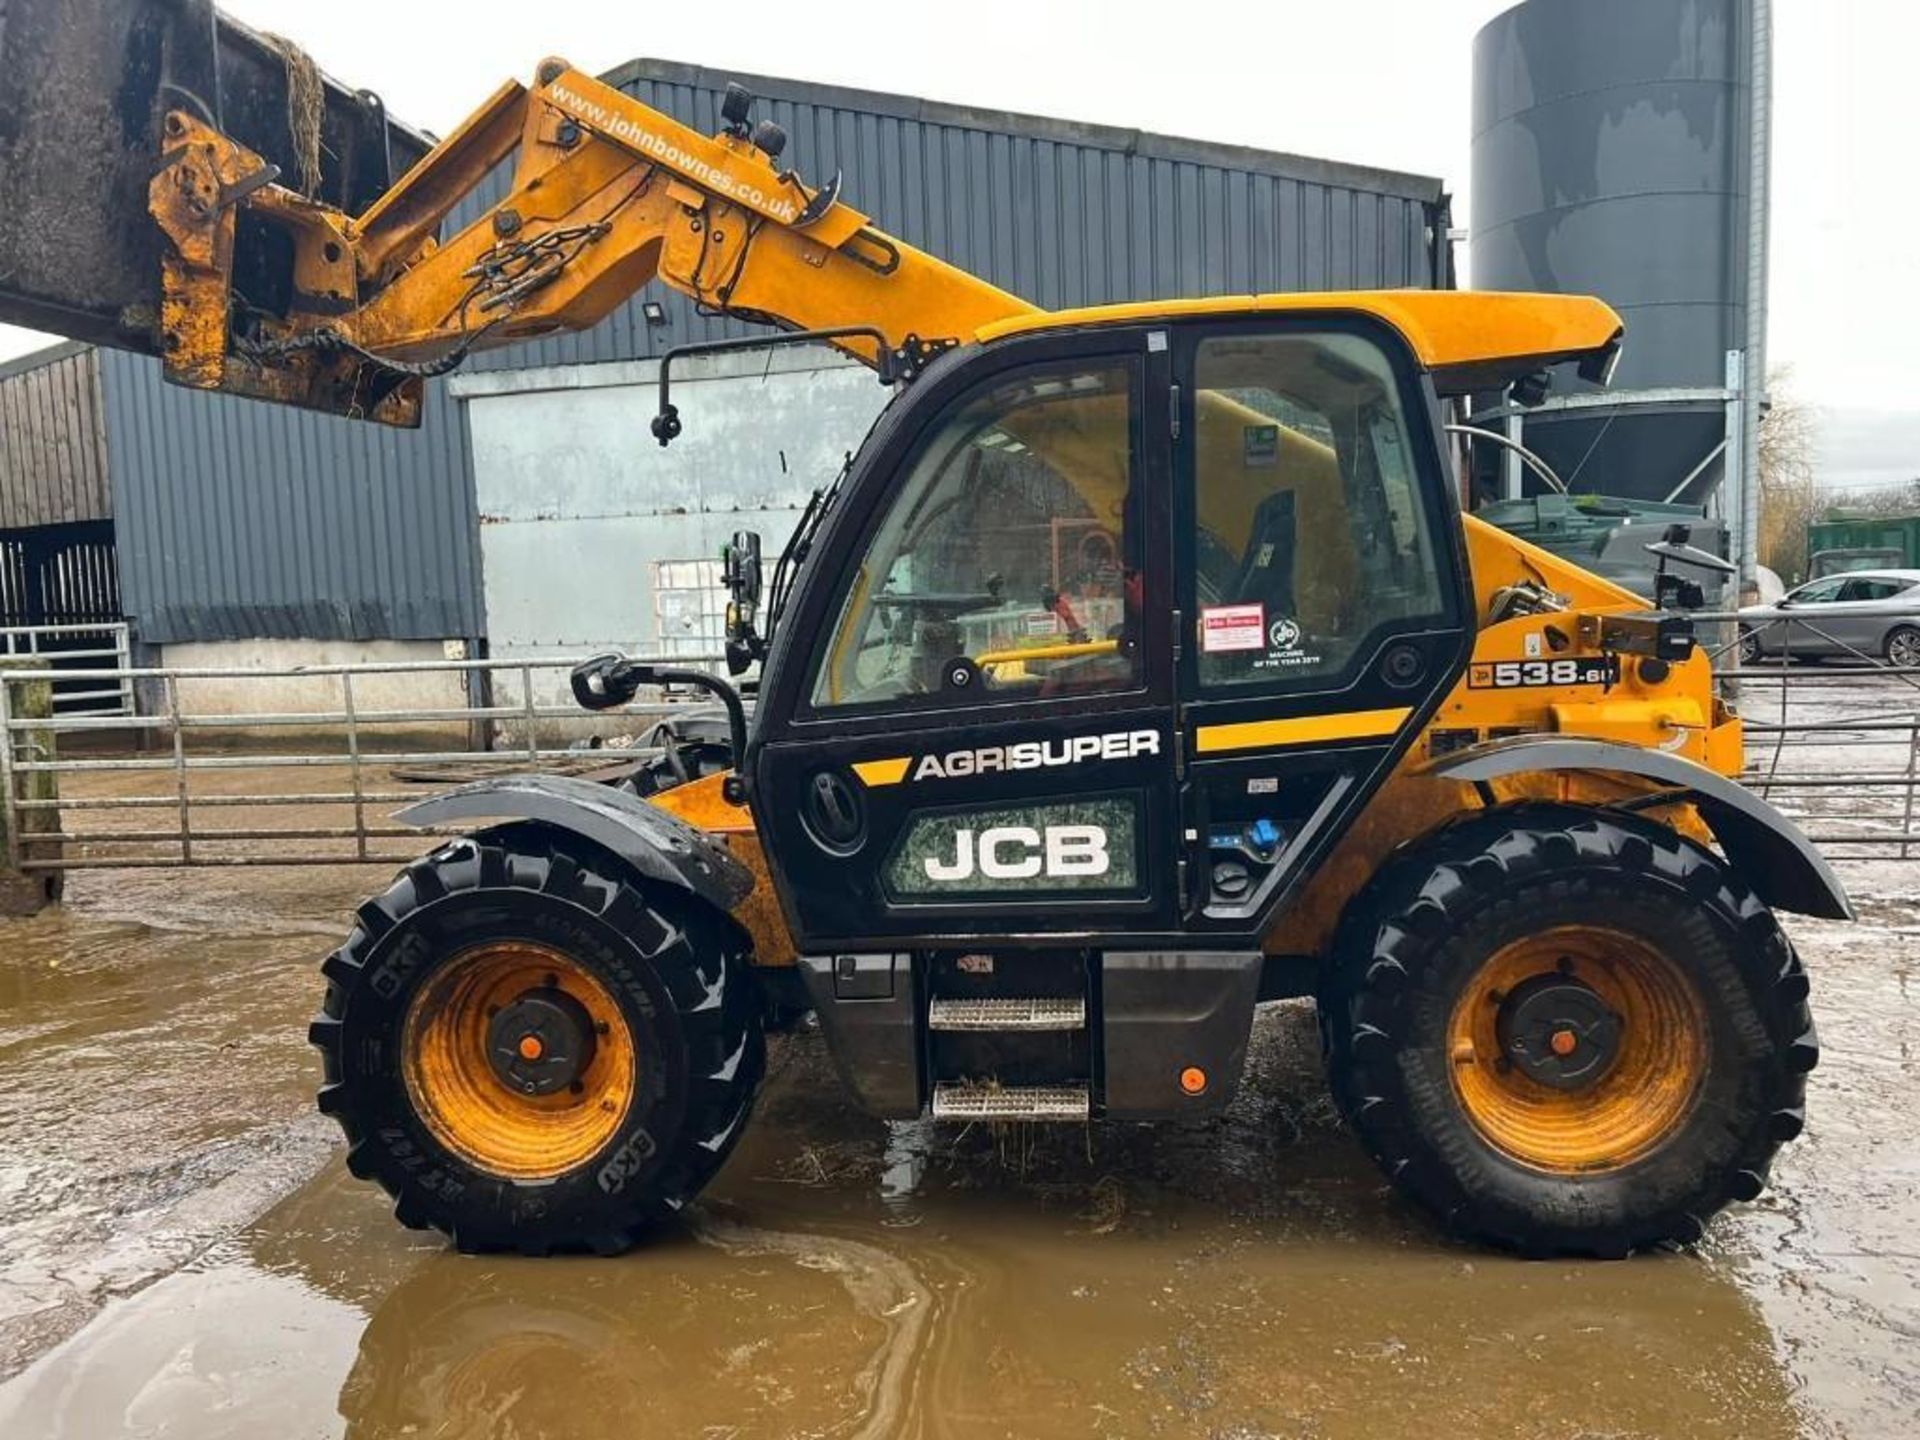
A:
x,y
1138,669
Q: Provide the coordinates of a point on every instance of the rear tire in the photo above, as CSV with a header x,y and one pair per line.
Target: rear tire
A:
x,y
1903,647
1710,1034
414,1066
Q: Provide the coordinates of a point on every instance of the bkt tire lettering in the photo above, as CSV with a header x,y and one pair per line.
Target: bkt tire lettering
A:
x,y
407,957
1020,852
627,1162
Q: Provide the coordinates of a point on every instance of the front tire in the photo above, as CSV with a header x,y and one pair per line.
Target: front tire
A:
x,y
530,1053
1568,1032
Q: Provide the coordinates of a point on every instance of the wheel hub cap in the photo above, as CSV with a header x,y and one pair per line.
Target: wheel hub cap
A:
x,y
518,1059
1559,1032
541,1043
1579,1048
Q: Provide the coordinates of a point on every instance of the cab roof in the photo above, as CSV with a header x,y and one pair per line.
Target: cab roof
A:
x,y
1469,339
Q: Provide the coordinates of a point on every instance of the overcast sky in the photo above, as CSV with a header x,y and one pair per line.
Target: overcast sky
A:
x,y
1382,82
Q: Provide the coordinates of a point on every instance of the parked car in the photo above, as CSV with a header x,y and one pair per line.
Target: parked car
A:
x,y
1864,612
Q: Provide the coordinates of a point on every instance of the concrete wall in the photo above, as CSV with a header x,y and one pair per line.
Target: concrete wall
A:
x,y
308,694
593,537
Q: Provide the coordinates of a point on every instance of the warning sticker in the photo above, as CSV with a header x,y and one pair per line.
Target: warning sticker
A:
x,y
1261,444
1233,627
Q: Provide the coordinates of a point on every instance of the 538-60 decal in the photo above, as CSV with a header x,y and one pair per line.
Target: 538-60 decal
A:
x,y
1519,674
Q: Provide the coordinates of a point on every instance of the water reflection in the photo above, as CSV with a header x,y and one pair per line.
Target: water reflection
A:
x,y
1242,1279
1021,1326
902,1167
1245,1279
691,1339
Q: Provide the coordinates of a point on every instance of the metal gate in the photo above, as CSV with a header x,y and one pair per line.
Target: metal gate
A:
x,y
60,600
1836,746
59,575
209,785
1834,743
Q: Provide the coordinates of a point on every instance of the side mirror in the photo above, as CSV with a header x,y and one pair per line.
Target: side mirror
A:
x,y
1672,591
740,567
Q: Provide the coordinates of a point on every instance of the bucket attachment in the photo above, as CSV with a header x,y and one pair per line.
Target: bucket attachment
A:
x,y
86,88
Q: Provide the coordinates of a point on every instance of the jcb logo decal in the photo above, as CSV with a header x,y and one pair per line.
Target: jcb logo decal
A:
x,y
1021,852
1087,845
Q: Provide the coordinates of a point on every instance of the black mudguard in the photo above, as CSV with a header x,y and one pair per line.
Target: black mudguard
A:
x,y
1771,854
658,845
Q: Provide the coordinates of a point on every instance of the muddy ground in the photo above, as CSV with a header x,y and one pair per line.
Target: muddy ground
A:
x,y
181,1253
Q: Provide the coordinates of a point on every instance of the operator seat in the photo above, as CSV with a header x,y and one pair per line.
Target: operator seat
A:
x,y
1267,564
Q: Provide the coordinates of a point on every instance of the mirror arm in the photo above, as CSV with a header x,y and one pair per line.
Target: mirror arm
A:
x,y
666,424
744,643
608,681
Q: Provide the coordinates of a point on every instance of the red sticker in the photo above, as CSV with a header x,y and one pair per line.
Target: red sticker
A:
x,y
1233,627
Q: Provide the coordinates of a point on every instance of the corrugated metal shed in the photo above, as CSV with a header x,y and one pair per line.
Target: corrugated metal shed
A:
x,y
1059,212
53,456
240,520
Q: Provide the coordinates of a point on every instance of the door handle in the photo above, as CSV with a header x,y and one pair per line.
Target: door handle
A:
x,y
833,812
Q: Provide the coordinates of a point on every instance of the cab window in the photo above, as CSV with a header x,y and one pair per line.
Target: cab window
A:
x,y
1007,564
1310,529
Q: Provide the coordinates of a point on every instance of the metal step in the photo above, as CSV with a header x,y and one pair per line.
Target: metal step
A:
x,y
952,1101
1008,1012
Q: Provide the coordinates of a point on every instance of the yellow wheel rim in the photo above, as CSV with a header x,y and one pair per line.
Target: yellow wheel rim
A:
x,y
1640,1097
459,1066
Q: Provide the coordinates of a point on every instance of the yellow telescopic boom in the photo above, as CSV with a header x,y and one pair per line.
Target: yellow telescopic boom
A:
x,y
606,195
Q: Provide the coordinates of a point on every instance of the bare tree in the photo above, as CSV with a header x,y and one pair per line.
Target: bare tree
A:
x,y
1901,499
1789,499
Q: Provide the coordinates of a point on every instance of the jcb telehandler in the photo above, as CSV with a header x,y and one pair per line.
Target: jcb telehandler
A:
x,y
1138,669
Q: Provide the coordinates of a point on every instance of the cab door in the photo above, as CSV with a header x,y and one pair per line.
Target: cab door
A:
x,y
969,729
1323,581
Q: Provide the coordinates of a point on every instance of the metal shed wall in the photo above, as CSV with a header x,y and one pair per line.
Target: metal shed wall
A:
x,y
1059,212
241,520
53,453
